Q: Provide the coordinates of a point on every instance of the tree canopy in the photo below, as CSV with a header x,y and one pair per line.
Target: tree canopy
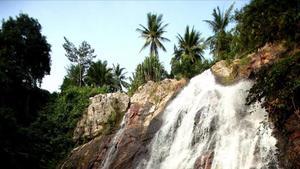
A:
x,y
219,42
82,56
191,45
99,74
24,52
153,33
24,61
264,21
119,77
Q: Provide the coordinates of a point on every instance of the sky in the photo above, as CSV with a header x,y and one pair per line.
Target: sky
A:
x,y
110,27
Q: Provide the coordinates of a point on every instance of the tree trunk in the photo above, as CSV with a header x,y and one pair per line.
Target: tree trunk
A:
x,y
80,76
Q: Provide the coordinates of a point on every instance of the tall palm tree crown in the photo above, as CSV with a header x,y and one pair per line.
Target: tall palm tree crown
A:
x,y
153,33
220,20
191,45
218,25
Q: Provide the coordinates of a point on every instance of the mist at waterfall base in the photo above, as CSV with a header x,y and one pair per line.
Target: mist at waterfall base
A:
x,y
210,123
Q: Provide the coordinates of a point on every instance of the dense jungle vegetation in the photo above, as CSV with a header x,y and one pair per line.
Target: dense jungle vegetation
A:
x,y
36,126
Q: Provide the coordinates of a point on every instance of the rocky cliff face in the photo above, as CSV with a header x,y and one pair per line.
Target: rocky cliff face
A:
x,y
142,120
103,107
227,72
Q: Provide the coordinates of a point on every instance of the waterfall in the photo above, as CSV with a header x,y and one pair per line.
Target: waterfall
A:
x,y
210,121
114,146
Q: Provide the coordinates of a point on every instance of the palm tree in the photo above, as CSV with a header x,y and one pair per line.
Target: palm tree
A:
x,y
153,33
191,46
218,42
99,74
119,77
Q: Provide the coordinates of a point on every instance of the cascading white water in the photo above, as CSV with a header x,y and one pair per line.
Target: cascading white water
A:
x,y
206,118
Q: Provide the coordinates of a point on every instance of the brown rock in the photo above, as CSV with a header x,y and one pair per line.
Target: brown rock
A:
x,y
204,161
228,73
225,72
89,155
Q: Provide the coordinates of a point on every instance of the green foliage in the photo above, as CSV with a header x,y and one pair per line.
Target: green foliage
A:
x,y
190,46
24,52
82,56
119,77
150,70
184,68
24,61
279,85
100,75
264,21
52,132
19,107
72,78
153,33
188,60
220,41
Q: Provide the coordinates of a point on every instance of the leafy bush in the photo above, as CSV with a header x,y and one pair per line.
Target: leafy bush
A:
x,y
52,133
279,85
265,21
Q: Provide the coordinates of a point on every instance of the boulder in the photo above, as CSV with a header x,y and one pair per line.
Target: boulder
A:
x,y
101,109
225,73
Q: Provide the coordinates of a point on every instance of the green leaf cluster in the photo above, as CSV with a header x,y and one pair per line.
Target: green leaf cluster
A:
x,y
149,70
24,52
264,21
53,130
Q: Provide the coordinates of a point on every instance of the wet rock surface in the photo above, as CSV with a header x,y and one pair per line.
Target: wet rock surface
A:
x,y
204,161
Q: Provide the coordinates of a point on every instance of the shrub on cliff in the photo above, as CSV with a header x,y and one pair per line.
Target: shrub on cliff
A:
x,y
279,85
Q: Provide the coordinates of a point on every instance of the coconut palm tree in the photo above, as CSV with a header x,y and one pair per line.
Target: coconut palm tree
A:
x,y
218,42
119,77
191,45
99,74
153,33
